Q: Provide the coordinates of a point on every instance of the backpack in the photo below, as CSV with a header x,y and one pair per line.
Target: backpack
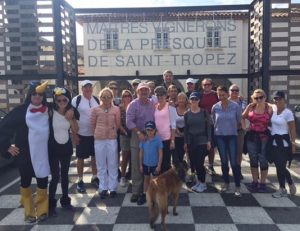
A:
x,y
78,99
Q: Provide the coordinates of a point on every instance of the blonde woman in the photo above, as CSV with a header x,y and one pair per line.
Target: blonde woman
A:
x,y
106,121
259,114
182,107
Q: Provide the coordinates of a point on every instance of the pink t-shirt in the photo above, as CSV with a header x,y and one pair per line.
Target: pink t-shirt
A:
x,y
163,123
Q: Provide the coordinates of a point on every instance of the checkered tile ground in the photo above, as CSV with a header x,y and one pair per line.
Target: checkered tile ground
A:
x,y
206,211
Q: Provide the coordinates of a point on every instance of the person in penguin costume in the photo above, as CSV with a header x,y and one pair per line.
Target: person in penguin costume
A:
x,y
29,125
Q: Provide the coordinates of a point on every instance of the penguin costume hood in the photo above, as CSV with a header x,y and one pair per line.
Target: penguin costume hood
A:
x,y
66,93
36,87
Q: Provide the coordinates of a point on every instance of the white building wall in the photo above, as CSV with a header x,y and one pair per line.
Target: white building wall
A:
x,y
187,49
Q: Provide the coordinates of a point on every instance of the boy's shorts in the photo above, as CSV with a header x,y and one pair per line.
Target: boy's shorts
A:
x,y
149,170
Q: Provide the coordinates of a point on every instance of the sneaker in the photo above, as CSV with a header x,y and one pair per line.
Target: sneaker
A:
x,y
211,170
253,186
194,188
142,199
280,193
95,181
225,187
103,194
123,182
237,192
293,189
201,187
262,188
80,187
134,198
112,194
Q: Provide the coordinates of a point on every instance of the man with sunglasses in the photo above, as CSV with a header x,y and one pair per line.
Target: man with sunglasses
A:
x,y
113,86
234,95
85,148
208,99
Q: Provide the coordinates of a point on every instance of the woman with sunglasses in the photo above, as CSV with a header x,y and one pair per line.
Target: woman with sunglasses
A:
x,y
165,120
29,124
259,114
105,120
181,109
197,138
124,135
236,97
60,147
227,117
283,133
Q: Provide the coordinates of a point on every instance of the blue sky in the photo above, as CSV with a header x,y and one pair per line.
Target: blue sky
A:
x,y
151,3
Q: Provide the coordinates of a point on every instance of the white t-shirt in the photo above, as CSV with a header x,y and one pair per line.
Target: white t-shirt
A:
x,y
85,108
280,123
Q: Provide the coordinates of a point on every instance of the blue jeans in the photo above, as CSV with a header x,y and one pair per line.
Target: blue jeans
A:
x,y
227,147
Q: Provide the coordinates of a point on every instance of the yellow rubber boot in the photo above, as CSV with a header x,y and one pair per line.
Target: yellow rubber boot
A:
x,y
42,204
27,202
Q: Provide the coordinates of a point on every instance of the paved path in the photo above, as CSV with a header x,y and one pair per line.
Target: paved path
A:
x,y
197,211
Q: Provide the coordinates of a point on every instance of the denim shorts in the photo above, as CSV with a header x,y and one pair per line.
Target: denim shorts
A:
x,y
149,170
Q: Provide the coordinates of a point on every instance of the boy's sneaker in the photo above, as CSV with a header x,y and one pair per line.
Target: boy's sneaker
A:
x,y
237,192
123,182
263,188
293,189
201,187
80,187
224,188
280,193
253,186
142,199
95,181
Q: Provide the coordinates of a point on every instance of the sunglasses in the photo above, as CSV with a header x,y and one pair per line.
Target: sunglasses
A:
x,y
277,98
194,99
234,90
126,96
106,97
35,94
207,85
259,97
62,100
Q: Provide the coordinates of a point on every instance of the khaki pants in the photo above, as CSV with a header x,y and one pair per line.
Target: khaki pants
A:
x,y
136,175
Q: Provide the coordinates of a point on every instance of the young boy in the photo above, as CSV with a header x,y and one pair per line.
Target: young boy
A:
x,y
150,156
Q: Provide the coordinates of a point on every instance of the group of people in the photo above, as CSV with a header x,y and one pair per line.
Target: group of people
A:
x,y
149,127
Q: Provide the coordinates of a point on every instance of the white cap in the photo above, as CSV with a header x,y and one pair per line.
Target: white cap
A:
x,y
191,80
86,82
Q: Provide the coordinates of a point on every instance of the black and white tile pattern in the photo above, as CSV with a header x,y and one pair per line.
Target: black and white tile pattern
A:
x,y
206,211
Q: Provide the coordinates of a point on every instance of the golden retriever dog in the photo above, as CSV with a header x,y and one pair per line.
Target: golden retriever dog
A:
x,y
160,188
